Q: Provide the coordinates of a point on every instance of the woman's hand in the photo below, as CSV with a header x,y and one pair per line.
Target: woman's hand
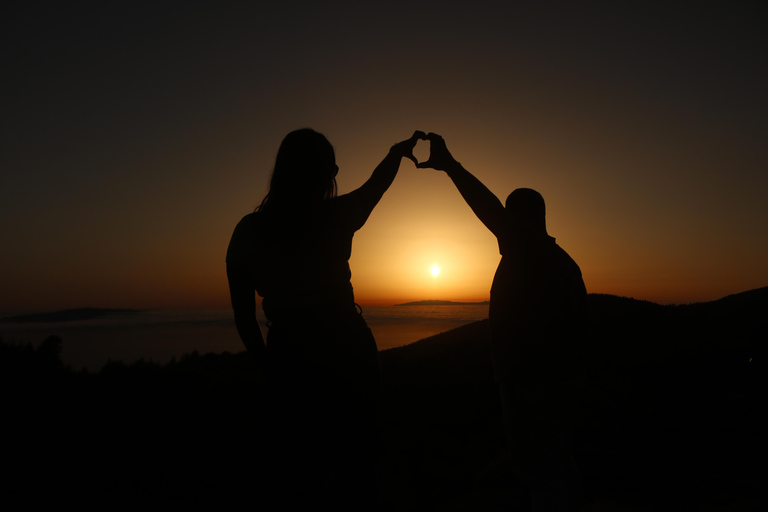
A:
x,y
405,148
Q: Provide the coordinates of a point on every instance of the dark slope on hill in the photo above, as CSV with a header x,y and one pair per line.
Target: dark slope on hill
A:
x,y
669,415
669,420
620,328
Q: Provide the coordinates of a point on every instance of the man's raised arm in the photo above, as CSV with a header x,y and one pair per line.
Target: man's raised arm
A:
x,y
483,202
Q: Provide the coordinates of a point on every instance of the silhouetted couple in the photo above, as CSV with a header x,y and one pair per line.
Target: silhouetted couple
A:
x,y
320,359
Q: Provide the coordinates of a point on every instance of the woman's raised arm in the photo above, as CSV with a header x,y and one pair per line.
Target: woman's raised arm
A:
x,y
371,192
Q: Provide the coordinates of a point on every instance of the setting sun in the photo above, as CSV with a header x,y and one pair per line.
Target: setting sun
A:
x,y
435,270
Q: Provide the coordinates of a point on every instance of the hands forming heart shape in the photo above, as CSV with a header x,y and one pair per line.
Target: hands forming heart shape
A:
x,y
439,156
405,148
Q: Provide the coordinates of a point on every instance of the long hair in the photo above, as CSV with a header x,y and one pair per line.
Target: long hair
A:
x,y
304,173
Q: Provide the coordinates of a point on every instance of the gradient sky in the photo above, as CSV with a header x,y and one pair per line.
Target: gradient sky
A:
x,y
134,137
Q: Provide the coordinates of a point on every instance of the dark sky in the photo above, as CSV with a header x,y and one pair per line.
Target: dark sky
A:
x,y
134,136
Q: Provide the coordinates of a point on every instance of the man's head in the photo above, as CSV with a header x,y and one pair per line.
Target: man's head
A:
x,y
527,206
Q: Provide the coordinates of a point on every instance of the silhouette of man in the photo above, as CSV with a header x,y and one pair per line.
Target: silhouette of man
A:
x,y
537,316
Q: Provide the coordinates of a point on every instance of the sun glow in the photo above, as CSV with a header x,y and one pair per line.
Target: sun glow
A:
x,y
435,270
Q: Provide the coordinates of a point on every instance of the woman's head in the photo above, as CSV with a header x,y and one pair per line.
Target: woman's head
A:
x,y
305,170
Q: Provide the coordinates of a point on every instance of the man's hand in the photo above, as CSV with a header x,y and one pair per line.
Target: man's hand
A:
x,y
439,156
405,148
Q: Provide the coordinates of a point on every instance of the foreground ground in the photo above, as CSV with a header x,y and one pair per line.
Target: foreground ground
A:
x,y
671,420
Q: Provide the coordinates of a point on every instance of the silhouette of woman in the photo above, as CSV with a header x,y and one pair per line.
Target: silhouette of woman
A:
x,y
320,360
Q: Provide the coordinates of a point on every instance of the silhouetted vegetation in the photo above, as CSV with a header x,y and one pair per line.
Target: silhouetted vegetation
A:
x,y
670,419
133,436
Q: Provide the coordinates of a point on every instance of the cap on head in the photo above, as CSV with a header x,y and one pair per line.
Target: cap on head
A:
x,y
527,205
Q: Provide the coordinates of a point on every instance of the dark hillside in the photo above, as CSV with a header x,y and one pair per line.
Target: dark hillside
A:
x,y
669,420
670,406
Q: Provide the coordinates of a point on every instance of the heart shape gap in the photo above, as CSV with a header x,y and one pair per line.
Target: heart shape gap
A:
x,y
421,151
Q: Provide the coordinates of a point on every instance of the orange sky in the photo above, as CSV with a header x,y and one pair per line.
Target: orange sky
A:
x,y
136,139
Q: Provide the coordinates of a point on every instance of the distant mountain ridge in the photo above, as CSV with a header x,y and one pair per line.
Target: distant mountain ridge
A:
x,y
443,303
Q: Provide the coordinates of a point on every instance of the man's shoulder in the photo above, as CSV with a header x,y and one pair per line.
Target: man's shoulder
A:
x,y
572,269
562,253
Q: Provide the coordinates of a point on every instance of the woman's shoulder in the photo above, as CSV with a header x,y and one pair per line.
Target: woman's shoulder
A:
x,y
250,218
243,235
249,223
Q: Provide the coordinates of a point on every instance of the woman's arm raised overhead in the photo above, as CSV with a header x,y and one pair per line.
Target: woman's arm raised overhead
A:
x,y
371,192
